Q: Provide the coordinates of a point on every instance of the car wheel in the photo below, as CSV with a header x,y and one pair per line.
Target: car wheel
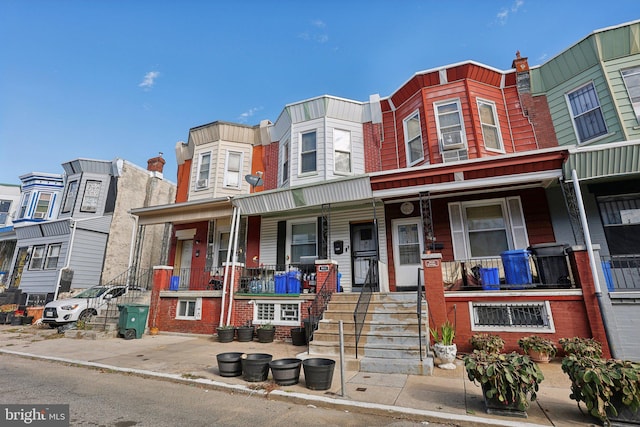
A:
x,y
129,334
85,315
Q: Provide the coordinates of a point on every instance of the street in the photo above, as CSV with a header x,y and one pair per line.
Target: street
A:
x,y
102,398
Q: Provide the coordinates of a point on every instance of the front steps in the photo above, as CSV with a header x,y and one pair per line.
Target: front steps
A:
x,y
389,341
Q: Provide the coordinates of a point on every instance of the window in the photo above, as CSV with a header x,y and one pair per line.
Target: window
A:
x,y
233,169
303,240
587,114
308,152
342,151
91,196
70,197
413,139
223,247
490,126
631,77
285,162
5,206
486,228
276,313
37,256
621,220
203,171
53,253
189,309
42,207
450,124
513,317
24,205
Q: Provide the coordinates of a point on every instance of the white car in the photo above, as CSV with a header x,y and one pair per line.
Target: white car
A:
x,y
82,306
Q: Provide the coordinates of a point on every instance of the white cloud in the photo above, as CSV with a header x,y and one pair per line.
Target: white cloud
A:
x,y
149,80
247,114
504,13
318,23
316,34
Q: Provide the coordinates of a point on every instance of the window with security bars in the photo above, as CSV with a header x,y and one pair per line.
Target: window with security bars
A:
x,y
276,313
512,316
587,115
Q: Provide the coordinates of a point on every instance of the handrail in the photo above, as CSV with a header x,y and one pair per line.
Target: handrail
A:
x,y
419,296
360,312
316,309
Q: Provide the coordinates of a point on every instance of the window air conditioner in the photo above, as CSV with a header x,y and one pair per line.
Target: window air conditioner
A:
x,y
452,140
202,183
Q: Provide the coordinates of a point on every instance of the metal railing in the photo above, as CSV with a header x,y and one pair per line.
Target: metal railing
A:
x,y
420,295
263,279
362,307
197,279
621,272
138,282
316,309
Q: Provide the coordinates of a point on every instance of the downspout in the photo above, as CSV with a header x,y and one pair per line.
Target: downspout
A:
x,y
225,280
236,214
134,233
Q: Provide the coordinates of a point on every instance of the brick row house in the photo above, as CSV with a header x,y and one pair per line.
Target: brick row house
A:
x,y
448,180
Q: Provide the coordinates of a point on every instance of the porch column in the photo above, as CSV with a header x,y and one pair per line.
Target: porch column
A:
x,y
323,268
580,265
161,279
434,289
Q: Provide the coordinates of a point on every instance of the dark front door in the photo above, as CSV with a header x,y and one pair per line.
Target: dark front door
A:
x,y
364,255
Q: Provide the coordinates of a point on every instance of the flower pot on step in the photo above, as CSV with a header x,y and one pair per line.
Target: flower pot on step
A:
x,y
255,366
318,373
286,371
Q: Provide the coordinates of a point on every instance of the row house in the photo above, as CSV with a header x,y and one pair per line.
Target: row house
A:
x,y
9,200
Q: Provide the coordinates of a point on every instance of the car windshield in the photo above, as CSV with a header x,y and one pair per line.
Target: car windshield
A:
x,y
91,292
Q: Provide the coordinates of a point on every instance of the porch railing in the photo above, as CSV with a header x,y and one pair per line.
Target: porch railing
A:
x,y
420,296
316,309
621,272
360,312
263,279
138,282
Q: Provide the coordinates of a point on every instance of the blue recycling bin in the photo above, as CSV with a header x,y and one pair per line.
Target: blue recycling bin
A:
x,y
517,271
490,278
174,283
338,288
280,283
608,277
293,282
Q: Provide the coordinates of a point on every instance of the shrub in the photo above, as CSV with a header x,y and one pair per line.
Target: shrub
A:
x,y
486,342
538,344
581,346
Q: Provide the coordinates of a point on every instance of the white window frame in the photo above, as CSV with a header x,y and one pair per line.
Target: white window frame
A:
x,y
277,312
37,255
203,174
228,173
515,225
409,140
197,309
343,150
442,129
90,199
56,247
300,221
494,126
313,152
70,196
590,110
5,208
286,161
221,230
544,306
24,205
631,79
38,213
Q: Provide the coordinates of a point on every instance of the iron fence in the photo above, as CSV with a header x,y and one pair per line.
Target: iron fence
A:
x,y
621,272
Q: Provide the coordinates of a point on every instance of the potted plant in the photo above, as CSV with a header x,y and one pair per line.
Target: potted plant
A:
x,y
581,346
539,349
509,381
245,333
266,333
226,333
443,346
609,388
486,342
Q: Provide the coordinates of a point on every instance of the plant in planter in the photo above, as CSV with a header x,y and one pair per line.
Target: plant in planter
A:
x,y
509,381
539,349
581,346
266,333
486,342
226,333
444,347
609,388
245,333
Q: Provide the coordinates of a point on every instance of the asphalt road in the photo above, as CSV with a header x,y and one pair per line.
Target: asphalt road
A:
x,y
102,398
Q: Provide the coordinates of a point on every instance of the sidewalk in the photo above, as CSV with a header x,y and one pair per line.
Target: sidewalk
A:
x,y
446,396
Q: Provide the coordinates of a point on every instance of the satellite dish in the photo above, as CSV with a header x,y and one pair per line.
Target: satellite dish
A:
x,y
254,180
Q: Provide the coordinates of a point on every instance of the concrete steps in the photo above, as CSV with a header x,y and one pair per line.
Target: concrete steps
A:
x,y
389,342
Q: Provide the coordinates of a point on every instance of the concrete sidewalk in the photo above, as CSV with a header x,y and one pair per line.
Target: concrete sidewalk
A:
x,y
446,396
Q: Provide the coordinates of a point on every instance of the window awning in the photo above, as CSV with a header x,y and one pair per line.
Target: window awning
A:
x,y
604,161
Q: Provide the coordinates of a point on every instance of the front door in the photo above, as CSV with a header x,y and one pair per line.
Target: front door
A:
x,y
407,250
364,255
186,252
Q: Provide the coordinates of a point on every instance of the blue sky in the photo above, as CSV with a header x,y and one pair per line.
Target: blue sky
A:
x,y
112,78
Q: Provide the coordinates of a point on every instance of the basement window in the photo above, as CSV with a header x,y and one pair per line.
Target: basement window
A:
x,y
277,313
512,317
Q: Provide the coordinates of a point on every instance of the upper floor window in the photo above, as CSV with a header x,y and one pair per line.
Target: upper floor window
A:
x,y
5,205
204,164
285,162
37,257
631,77
42,207
308,152
450,124
490,126
233,169
70,197
342,151
586,112
24,205
413,139
91,196
53,254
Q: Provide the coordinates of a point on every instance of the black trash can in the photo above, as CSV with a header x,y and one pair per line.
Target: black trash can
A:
x,y
551,263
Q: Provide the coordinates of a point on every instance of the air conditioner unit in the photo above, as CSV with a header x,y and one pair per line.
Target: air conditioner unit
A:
x,y
202,183
451,140
38,215
455,155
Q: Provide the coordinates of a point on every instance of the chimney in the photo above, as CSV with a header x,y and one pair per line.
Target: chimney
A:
x,y
520,64
156,164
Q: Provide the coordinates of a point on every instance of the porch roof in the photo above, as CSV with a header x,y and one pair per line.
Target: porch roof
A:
x,y
334,191
191,211
604,161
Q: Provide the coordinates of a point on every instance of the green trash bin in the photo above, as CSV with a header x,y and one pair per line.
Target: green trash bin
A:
x,y
133,320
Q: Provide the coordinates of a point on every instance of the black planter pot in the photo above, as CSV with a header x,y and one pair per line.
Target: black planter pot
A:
x,y
286,371
495,407
245,333
3,317
27,320
16,320
226,335
318,373
298,336
266,334
625,415
255,366
229,364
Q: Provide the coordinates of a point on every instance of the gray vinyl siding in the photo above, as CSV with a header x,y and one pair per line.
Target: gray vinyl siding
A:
x,y
87,258
296,177
41,280
619,90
